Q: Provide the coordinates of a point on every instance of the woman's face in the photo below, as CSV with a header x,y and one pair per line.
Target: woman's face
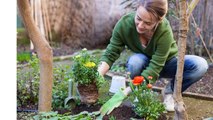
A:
x,y
144,20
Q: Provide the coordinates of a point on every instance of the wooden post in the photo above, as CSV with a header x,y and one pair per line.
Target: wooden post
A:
x,y
180,112
45,56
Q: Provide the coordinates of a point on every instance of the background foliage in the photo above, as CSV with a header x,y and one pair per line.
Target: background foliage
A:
x,y
28,84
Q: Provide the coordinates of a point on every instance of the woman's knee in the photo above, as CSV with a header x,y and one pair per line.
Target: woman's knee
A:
x,y
136,63
197,65
138,59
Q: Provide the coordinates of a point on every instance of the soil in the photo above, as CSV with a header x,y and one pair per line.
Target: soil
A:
x,y
121,113
196,110
205,85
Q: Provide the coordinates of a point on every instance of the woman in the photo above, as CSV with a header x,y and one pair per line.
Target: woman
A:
x,y
149,35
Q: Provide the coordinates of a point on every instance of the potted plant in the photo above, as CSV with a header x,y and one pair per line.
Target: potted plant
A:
x,y
85,74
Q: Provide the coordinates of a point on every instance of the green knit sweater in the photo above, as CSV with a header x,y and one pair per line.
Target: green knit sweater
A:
x,y
161,48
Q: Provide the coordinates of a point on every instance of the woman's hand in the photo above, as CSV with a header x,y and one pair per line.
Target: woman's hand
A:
x,y
103,68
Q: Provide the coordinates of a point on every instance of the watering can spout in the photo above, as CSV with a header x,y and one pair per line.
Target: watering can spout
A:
x,y
70,99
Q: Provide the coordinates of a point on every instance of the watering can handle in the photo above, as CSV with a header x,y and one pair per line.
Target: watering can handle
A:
x,y
70,89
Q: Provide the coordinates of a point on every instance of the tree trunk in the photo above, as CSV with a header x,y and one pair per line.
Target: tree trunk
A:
x,y
45,56
180,112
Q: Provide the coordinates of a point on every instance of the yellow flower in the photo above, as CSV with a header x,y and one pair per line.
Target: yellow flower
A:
x,y
78,56
90,64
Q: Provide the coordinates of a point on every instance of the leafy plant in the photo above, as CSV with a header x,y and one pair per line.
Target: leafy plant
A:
x,y
23,57
28,84
22,37
55,116
60,86
84,69
146,102
51,116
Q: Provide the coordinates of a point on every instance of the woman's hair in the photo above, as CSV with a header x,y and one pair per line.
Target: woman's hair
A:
x,y
157,7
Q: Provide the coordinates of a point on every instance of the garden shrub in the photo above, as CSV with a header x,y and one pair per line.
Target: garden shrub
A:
x,y
28,84
60,86
55,116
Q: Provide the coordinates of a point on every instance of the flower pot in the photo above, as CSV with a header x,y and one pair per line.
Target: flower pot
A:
x,y
88,93
117,83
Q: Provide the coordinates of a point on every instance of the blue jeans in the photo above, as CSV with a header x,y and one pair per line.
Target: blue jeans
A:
x,y
194,69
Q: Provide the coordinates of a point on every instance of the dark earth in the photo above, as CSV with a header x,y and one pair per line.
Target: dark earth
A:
x,y
123,112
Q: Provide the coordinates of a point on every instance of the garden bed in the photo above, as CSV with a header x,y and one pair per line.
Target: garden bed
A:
x,y
196,108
